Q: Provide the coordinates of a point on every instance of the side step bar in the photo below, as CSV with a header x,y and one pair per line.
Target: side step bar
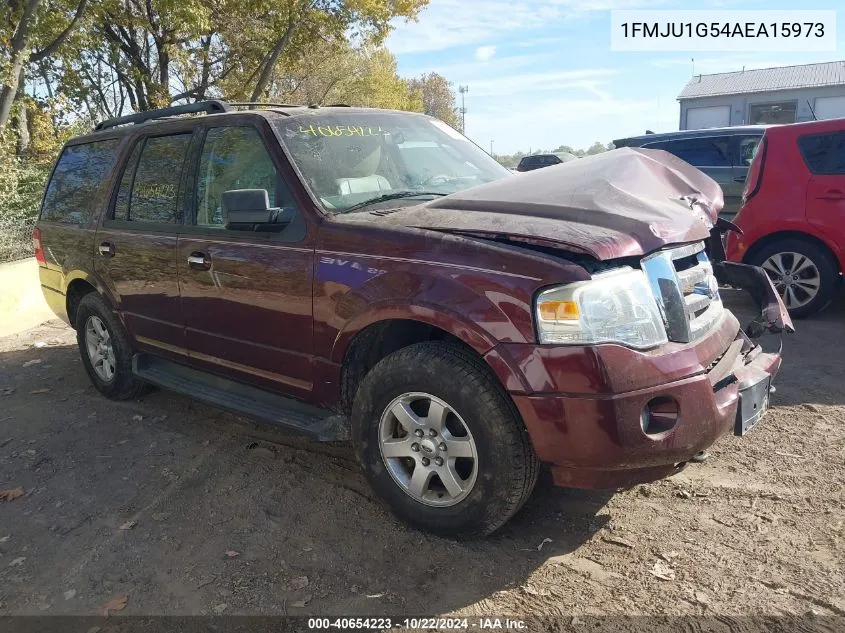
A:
x,y
322,425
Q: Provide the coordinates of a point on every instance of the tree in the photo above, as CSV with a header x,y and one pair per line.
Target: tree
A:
x,y
27,24
150,53
283,34
340,72
437,97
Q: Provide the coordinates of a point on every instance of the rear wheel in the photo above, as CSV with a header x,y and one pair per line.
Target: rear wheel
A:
x,y
105,349
804,274
441,442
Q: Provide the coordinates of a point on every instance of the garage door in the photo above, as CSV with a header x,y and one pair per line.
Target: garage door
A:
x,y
713,116
829,107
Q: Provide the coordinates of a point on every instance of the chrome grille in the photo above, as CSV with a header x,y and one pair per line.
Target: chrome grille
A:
x,y
685,289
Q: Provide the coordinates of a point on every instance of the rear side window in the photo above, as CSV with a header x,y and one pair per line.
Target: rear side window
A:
x,y
76,182
824,153
701,152
149,188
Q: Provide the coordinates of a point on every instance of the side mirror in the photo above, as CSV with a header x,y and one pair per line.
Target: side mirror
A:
x,y
250,209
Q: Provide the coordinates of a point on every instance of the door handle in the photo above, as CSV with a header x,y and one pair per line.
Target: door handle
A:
x,y
106,249
199,261
832,194
739,178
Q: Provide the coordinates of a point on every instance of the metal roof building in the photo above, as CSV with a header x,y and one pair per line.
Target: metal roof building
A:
x,y
769,95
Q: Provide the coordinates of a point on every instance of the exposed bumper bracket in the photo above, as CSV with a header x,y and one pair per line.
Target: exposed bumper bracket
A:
x,y
773,314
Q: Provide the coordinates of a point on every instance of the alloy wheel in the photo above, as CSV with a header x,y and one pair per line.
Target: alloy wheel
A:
x,y
99,347
428,449
795,276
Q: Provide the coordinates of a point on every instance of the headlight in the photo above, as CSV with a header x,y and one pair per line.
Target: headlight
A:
x,y
613,307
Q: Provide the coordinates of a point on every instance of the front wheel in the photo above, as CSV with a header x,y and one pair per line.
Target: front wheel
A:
x,y
441,442
804,274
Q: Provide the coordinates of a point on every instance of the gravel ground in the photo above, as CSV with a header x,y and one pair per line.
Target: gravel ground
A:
x,y
184,509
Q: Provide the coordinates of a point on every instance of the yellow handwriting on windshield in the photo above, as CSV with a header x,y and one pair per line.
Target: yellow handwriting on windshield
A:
x,y
340,130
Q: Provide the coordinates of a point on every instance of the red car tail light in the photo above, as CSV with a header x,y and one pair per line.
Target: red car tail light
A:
x,y
39,249
755,173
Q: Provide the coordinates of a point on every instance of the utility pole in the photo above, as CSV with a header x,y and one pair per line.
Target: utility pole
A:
x,y
463,90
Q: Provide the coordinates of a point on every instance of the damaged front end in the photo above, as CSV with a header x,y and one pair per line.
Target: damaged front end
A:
x,y
744,362
773,316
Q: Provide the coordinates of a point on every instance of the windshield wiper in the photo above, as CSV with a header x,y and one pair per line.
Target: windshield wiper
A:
x,y
396,195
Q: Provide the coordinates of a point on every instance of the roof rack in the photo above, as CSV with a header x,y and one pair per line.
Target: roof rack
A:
x,y
213,106
263,104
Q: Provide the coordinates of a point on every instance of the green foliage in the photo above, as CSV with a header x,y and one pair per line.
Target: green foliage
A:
x,y
21,186
437,97
340,72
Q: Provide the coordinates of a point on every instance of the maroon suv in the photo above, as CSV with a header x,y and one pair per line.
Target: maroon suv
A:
x,y
372,275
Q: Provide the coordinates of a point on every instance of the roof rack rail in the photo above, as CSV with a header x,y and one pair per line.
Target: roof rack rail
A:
x,y
212,106
263,104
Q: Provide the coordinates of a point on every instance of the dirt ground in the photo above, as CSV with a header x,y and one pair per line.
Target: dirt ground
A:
x,y
185,509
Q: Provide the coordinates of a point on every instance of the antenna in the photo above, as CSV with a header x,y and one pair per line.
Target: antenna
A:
x,y
813,112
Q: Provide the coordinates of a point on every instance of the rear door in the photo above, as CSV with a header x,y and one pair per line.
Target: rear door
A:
x,y
247,303
136,244
824,155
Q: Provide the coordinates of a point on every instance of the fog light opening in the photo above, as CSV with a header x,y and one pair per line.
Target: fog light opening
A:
x,y
659,415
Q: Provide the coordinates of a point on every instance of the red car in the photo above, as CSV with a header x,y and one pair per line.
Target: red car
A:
x,y
793,213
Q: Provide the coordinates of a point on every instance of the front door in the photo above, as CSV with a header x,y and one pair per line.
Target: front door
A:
x,y
246,295
136,245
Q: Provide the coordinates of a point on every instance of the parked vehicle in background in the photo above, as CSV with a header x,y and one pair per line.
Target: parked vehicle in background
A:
x,y
793,213
373,275
538,161
724,154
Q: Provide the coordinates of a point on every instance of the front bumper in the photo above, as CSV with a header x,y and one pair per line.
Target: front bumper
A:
x,y
583,406
598,441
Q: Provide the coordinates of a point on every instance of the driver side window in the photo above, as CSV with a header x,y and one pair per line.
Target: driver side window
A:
x,y
235,158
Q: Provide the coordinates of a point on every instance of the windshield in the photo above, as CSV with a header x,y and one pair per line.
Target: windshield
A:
x,y
348,159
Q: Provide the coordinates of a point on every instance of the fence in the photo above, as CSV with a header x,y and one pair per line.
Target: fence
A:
x,y
16,237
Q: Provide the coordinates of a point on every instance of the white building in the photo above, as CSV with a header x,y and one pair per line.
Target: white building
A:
x,y
770,95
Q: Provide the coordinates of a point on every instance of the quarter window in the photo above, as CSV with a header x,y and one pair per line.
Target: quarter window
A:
x,y
747,149
824,153
149,188
235,158
76,182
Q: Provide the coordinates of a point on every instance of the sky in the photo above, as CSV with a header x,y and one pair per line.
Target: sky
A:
x,y
541,73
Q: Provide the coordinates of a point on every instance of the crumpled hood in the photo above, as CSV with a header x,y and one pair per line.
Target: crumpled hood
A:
x,y
621,203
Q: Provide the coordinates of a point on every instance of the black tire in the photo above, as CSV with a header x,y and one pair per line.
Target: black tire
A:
x,y
507,465
124,385
821,258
